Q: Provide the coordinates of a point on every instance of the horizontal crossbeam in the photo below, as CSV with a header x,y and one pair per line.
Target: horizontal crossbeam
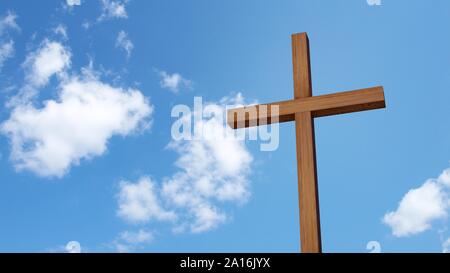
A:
x,y
320,106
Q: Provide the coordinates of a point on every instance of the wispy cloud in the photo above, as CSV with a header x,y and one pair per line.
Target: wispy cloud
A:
x,y
173,82
138,202
129,241
113,9
72,3
374,2
86,24
61,30
446,246
6,52
7,45
124,42
8,22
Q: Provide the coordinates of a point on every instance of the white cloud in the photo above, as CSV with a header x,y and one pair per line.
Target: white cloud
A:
x,y
212,171
61,30
129,241
444,178
49,59
206,217
374,2
77,125
7,47
446,246
420,207
8,21
6,52
138,202
173,82
417,209
73,2
113,9
124,42
142,236
86,24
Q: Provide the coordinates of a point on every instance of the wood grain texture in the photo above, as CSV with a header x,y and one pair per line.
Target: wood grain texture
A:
x,y
310,237
307,184
320,106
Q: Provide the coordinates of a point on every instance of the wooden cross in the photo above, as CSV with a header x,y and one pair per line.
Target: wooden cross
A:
x,y
303,109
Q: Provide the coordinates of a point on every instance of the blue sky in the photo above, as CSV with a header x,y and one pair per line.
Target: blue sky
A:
x,y
86,153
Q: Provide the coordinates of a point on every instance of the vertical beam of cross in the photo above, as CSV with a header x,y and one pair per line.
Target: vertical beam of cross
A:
x,y
306,150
